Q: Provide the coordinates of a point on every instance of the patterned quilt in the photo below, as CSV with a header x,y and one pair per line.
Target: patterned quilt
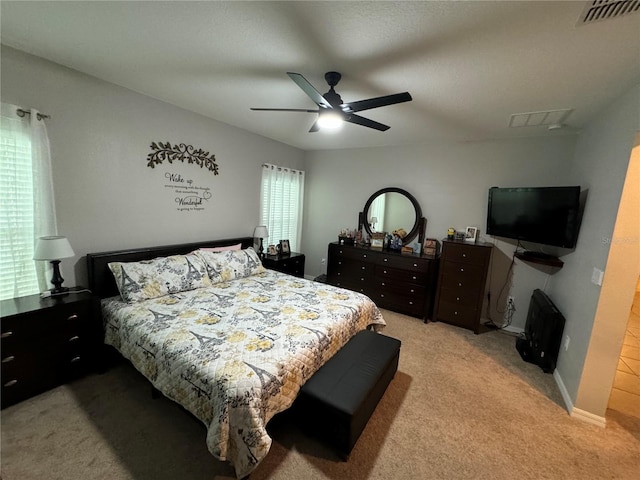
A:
x,y
236,353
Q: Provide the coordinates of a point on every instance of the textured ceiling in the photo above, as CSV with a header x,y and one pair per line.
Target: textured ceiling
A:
x,y
468,65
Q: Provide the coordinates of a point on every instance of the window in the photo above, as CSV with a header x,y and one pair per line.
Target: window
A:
x,y
281,204
26,196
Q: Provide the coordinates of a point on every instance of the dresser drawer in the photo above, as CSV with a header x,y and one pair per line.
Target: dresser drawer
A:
x,y
389,274
460,296
410,264
44,323
341,251
457,252
408,304
461,275
461,315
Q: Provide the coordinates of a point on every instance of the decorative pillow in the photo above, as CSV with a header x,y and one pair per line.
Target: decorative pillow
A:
x,y
237,246
161,276
231,264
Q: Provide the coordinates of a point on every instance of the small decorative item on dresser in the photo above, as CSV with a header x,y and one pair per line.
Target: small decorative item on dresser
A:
x,y
271,250
406,249
346,237
284,247
377,240
431,247
460,236
471,235
451,232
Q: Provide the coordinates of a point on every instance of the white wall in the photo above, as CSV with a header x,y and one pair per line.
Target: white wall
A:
x,y
106,196
451,183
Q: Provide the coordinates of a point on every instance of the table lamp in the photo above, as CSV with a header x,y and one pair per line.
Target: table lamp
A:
x,y
54,248
261,232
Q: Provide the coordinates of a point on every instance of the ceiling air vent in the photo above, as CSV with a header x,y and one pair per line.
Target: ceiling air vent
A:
x,y
598,10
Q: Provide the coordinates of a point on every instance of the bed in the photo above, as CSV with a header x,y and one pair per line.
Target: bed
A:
x,y
225,338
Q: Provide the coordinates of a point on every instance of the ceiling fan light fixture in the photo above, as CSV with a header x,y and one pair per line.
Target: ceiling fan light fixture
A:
x,y
330,120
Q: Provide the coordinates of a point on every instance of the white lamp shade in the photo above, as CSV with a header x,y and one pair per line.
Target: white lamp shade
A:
x,y
261,232
53,248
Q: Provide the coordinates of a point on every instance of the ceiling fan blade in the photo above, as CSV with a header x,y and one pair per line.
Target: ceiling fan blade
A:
x,y
307,88
365,122
315,127
376,102
283,110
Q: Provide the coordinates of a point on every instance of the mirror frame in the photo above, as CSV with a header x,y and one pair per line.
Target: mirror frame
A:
x,y
415,230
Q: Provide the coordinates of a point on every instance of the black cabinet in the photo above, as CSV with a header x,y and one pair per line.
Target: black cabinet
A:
x,y
292,263
403,283
461,283
46,342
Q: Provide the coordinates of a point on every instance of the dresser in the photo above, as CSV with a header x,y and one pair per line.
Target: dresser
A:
x,y
461,283
292,263
403,283
46,342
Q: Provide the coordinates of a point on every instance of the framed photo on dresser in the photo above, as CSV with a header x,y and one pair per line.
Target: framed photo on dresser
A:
x,y
284,247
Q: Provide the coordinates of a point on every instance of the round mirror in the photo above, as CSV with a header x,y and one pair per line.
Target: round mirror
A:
x,y
390,209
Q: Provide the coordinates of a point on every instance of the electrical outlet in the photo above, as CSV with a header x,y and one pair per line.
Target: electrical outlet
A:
x,y
323,261
566,342
511,302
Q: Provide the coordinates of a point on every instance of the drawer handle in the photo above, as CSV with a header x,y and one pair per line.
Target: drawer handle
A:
x,y
383,284
340,251
6,334
412,290
75,359
364,256
382,295
458,299
75,338
410,303
362,279
386,259
339,274
415,264
414,277
11,383
459,284
72,317
364,268
462,269
384,271
8,359
464,255
455,313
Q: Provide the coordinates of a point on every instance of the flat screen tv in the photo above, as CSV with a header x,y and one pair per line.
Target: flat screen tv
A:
x,y
545,215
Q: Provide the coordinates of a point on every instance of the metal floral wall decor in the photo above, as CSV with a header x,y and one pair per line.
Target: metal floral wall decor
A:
x,y
164,151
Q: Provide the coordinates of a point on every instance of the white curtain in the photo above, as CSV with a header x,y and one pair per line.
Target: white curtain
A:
x,y
377,209
281,204
26,193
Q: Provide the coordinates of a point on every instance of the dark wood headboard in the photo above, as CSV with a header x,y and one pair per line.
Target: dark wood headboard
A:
x,y
101,281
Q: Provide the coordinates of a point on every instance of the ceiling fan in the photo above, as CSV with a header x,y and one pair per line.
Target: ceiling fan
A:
x,y
331,108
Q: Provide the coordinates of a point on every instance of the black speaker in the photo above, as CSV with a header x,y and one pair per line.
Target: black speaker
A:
x,y
543,333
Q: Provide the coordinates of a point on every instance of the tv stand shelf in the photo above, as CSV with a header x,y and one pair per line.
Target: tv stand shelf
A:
x,y
548,260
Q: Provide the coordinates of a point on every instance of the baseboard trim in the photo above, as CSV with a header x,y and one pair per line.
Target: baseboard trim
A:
x,y
585,416
577,413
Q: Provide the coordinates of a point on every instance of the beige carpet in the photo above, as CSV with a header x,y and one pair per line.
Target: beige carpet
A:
x,y
462,406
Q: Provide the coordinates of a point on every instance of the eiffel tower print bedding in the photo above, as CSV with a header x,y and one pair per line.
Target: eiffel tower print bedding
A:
x,y
234,352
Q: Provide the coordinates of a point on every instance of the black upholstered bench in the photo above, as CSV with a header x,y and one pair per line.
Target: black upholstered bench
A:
x,y
337,401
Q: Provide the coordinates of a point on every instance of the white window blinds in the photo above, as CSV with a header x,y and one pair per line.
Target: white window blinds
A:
x,y
281,204
27,210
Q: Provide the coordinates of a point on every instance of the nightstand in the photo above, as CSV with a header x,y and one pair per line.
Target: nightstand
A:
x,y
47,342
292,263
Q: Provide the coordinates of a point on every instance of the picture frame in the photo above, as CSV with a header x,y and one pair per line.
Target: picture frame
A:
x,y
271,250
471,234
431,247
284,247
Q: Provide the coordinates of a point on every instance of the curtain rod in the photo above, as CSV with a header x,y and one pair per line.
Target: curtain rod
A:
x,y
268,165
22,113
